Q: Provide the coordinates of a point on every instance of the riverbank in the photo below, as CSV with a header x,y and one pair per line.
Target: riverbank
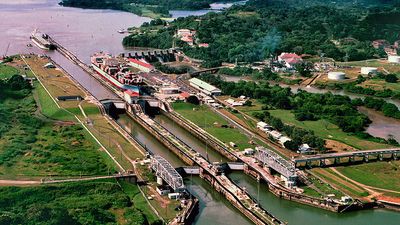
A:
x,y
155,9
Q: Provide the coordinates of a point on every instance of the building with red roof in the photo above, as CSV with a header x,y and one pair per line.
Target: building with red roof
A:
x,y
289,59
141,65
204,45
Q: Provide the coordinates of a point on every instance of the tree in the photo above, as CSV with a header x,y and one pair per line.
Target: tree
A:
x,y
291,145
391,78
304,69
248,103
391,110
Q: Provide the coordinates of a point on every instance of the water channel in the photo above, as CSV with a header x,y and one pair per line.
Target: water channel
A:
x,y
87,31
216,210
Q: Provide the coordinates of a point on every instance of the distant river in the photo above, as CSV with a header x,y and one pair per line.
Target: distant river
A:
x,y
215,7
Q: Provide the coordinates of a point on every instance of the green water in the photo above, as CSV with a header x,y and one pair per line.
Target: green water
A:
x,y
298,214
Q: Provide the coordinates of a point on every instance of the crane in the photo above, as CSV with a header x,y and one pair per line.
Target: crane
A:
x,y
5,53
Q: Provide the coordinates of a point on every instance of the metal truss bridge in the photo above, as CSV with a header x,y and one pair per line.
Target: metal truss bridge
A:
x,y
164,170
273,160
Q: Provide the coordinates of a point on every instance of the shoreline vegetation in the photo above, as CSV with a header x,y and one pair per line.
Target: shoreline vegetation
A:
x,y
154,9
338,110
262,29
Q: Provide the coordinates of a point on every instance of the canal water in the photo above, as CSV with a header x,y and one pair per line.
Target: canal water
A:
x,y
206,151
216,210
87,31
81,31
298,214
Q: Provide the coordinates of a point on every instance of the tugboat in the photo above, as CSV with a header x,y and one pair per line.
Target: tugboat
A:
x,y
42,40
122,31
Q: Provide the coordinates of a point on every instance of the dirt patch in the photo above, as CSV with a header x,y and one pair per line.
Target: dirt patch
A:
x,y
389,199
64,123
158,198
337,179
336,146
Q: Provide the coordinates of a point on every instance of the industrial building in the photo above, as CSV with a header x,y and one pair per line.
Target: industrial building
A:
x,y
169,90
204,87
336,75
143,66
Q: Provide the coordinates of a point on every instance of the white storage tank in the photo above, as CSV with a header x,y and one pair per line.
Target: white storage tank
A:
x,y
368,70
336,75
394,58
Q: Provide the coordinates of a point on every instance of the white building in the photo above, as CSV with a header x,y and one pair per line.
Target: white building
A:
x,y
163,190
284,139
290,60
248,151
275,134
204,87
263,126
233,103
304,148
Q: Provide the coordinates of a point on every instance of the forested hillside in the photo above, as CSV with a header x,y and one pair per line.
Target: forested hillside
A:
x,y
160,7
261,28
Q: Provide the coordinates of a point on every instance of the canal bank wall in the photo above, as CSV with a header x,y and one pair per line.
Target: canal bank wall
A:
x,y
276,189
326,204
181,155
240,199
247,210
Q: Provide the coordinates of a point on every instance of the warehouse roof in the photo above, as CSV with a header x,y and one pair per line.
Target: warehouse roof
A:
x,y
204,85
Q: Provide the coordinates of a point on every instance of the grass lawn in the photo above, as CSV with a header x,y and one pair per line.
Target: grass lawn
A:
x,y
111,138
338,182
89,202
59,84
48,107
212,123
327,130
325,188
138,200
37,139
380,84
164,206
378,174
7,71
